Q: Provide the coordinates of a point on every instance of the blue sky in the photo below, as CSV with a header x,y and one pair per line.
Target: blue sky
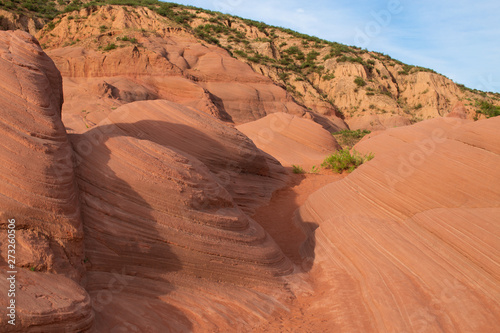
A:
x,y
459,38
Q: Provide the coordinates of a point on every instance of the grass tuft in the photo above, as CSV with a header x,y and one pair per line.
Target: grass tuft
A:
x,y
110,47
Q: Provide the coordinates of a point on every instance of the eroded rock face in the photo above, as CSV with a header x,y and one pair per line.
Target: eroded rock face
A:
x,y
14,21
38,190
290,139
408,239
38,185
323,82
165,63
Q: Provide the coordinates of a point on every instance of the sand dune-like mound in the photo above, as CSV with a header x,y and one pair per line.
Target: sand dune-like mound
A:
x,y
408,242
290,139
162,186
234,159
38,190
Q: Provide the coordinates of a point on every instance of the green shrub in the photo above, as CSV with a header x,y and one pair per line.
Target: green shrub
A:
x,y
300,56
385,92
50,26
241,53
358,60
343,160
308,65
328,77
110,47
292,50
127,39
423,69
257,58
406,69
488,109
298,169
313,55
359,81
283,76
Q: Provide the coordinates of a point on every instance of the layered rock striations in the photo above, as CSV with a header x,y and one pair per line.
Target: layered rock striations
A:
x,y
407,242
38,190
163,187
163,191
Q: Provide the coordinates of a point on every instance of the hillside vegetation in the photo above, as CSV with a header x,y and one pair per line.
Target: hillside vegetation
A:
x,y
369,90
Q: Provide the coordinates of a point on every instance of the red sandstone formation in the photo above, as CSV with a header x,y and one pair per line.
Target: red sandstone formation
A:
x,y
408,242
38,190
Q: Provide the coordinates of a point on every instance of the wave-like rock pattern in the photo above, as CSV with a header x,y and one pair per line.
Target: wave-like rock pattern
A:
x,y
156,182
409,241
38,190
229,155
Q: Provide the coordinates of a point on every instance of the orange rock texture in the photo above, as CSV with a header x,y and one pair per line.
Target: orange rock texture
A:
x,y
408,242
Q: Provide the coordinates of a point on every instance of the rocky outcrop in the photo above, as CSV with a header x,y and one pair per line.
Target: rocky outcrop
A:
x,y
408,239
164,191
378,122
39,191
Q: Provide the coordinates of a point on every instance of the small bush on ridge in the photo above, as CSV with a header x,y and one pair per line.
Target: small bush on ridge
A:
x,y
298,169
344,160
